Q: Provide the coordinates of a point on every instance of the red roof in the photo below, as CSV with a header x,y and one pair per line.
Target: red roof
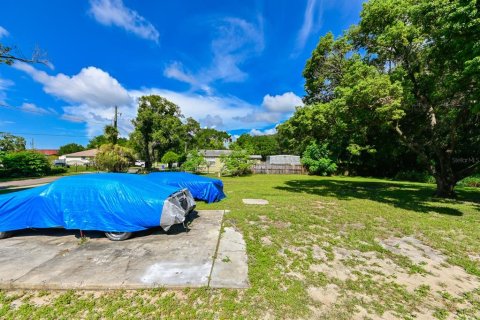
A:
x,y
47,152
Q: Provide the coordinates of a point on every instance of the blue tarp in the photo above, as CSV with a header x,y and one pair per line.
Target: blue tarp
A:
x,y
105,202
202,188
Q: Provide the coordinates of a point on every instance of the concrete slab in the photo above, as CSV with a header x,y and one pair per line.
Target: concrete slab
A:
x,y
56,259
255,201
230,269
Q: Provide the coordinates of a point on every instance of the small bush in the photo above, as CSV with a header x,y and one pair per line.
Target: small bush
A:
x,y
472,181
193,162
316,158
58,170
114,158
169,158
237,163
25,164
414,176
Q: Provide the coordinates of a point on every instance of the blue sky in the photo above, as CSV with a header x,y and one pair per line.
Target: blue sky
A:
x,y
233,65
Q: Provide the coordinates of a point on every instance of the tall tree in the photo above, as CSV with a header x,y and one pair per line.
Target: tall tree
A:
x,y
111,134
158,127
70,148
433,49
265,145
408,72
209,138
9,142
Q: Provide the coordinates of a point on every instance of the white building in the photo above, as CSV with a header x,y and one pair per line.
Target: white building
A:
x,y
80,158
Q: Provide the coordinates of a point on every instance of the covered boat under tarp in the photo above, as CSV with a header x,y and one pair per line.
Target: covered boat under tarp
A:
x,y
202,188
105,201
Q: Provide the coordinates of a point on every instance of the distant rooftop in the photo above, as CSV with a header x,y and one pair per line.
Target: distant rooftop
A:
x,y
84,153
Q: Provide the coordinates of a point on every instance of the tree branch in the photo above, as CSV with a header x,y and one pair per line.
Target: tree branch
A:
x,y
467,171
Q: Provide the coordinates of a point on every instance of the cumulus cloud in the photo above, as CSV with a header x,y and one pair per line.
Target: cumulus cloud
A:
x,y
219,111
115,13
256,132
212,121
235,41
282,103
273,109
93,93
91,86
3,32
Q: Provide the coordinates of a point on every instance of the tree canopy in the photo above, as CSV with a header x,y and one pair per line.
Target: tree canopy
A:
x,y
70,148
265,145
407,74
9,142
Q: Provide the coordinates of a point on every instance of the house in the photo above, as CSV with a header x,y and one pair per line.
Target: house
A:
x,y
81,158
212,157
47,152
284,159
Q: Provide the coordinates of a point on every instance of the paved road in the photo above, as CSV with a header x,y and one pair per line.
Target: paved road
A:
x,y
16,184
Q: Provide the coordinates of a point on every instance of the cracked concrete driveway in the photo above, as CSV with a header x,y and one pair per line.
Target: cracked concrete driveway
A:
x,y
58,259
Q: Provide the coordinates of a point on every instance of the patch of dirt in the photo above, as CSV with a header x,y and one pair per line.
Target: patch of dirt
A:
x,y
439,277
327,295
281,224
266,241
319,253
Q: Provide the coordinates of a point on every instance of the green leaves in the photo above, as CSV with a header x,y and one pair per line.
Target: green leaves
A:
x,y
114,158
237,163
316,159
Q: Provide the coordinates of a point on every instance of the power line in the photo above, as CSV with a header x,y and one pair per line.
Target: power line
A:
x,y
47,134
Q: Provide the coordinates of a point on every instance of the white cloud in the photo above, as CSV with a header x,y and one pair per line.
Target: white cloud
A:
x,y
282,103
114,12
3,32
256,132
93,93
91,86
176,71
273,109
32,108
221,112
235,41
311,22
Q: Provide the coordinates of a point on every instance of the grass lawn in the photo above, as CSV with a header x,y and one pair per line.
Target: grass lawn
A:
x,y
334,248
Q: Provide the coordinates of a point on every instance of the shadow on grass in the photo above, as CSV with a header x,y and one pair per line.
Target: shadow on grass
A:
x,y
414,197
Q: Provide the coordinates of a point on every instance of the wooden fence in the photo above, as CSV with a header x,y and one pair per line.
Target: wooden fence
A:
x,y
265,168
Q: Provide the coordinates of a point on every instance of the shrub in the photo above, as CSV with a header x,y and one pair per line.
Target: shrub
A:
x,y
194,161
25,164
472,181
414,176
114,158
316,158
58,170
170,157
237,163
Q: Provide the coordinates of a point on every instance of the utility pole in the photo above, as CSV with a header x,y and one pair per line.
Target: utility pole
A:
x,y
115,118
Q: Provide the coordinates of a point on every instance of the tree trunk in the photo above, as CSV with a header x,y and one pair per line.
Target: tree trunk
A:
x,y
445,186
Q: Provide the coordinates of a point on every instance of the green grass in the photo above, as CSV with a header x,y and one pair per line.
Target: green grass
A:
x,y
305,213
